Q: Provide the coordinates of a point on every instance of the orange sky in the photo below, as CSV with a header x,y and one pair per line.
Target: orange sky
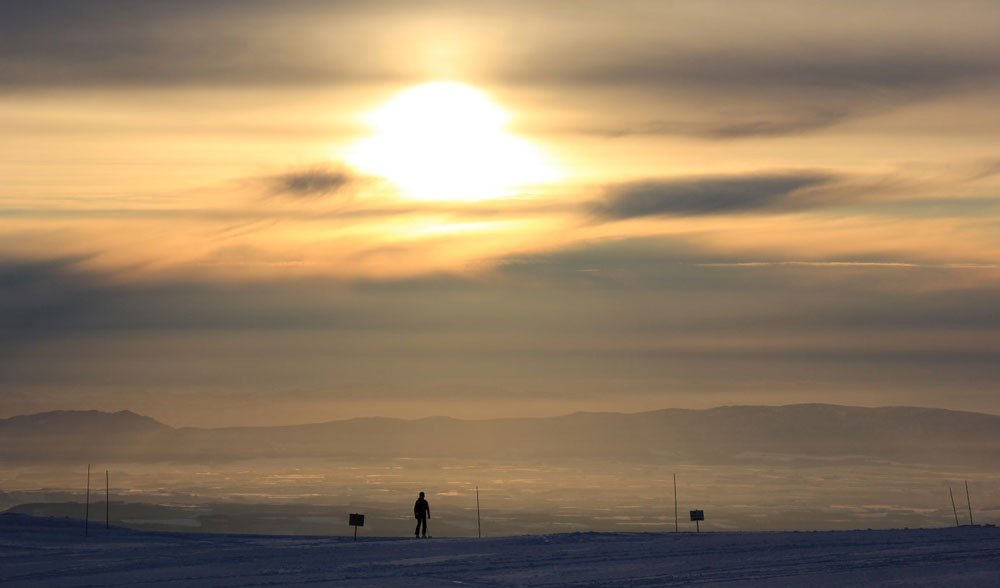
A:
x,y
231,212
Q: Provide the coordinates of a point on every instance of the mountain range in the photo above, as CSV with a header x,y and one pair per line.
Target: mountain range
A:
x,y
729,434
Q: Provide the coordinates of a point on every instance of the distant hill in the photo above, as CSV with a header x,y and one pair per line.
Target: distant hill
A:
x,y
81,421
730,434
75,434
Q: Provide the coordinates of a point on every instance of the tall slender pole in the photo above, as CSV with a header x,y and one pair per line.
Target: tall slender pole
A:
x,y
479,520
953,509
107,499
968,500
675,503
86,512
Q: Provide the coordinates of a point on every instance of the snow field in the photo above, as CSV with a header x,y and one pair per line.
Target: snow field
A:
x,y
53,552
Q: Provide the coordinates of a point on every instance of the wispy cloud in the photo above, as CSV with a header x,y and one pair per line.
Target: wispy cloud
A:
x,y
315,183
708,195
858,264
687,70
572,322
731,125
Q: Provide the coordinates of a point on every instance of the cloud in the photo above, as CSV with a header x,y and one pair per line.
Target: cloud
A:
x,y
765,68
855,264
632,318
614,295
315,183
691,70
763,91
38,297
733,125
706,74
708,195
116,43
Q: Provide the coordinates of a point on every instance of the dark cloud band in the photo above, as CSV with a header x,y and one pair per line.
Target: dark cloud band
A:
x,y
710,195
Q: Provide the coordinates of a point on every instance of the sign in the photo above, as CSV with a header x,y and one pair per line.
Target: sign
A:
x,y
356,520
697,515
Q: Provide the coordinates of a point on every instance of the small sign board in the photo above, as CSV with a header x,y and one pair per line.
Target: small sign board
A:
x,y
697,515
358,520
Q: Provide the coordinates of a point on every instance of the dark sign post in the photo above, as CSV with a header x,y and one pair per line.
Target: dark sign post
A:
x,y
479,520
86,515
107,499
356,520
697,516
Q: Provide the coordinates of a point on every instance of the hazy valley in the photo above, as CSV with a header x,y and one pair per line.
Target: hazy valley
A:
x,y
749,468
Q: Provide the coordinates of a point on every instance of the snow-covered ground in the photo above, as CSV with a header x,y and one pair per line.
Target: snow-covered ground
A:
x,y
54,552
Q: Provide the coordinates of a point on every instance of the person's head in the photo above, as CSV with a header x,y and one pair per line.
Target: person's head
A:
x,y
421,494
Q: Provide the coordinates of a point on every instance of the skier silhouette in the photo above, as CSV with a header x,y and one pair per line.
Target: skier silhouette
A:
x,y
422,511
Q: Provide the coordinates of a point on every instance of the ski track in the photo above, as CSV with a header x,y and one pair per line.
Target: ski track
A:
x,y
54,552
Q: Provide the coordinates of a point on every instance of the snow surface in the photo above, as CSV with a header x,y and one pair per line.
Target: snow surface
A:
x,y
53,552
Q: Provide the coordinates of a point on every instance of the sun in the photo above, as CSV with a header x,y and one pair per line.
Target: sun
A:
x,y
448,141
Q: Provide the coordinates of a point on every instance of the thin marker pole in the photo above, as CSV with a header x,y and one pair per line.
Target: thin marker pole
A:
x,y
86,512
968,500
953,509
107,499
479,520
675,503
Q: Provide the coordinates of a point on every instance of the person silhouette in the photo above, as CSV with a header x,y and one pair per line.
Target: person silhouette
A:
x,y
422,511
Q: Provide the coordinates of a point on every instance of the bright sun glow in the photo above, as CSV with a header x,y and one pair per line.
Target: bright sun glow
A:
x,y
447,141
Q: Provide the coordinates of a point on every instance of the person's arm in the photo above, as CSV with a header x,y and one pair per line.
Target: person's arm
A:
x,y
428,510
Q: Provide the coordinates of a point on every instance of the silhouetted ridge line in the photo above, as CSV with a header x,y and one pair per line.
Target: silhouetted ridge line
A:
x,y
727,434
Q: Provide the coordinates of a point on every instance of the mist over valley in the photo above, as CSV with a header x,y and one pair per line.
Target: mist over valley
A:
x,y
793,467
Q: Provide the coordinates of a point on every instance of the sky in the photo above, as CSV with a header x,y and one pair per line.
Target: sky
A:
x,y
226,213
